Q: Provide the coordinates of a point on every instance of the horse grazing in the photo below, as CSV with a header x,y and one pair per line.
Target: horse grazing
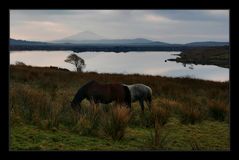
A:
x,y
102,93
141,93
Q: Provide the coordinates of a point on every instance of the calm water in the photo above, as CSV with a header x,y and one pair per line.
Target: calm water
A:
x,y
152,63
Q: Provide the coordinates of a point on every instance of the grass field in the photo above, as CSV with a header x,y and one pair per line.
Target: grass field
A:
x,y
188,114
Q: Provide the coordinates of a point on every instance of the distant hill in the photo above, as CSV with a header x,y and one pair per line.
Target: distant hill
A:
x,y
88,37
24,42
207,43
107,45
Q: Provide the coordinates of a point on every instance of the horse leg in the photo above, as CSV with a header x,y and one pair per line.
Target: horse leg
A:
x,y
149,102
141,102
128,104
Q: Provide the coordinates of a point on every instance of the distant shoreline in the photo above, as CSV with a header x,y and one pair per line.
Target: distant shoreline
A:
x,y
218,56
100,48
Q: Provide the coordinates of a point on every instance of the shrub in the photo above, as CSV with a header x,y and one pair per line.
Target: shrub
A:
x,y
217,110
115,122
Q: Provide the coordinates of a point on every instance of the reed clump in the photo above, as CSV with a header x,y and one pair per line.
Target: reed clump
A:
x,y
218,109
41,97
191,113
116,121
88,120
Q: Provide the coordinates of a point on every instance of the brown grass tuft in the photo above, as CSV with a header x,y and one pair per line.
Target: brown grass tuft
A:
x,y
190,113
218,109
115,122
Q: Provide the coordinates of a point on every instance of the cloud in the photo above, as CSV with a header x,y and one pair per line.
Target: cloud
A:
x,y
158,18
176,26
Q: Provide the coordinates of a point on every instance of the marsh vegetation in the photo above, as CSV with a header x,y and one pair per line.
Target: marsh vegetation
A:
x,y
187,114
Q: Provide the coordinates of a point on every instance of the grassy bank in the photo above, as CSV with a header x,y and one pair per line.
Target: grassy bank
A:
x,y
218,56
189,114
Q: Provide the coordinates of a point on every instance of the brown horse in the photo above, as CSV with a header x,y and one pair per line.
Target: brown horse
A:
x,y
102,93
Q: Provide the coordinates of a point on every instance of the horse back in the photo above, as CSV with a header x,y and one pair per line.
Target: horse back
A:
x,y
120,93
102,91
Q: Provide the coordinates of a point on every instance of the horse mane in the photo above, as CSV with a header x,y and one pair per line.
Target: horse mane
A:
x,y
82,89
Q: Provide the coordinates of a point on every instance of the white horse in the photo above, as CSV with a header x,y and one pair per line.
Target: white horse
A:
x,y
141,93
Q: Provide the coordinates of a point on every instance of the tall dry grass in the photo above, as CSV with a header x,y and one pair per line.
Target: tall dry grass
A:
x,y
161,110
31,104
160,116
116,121
41,96
158,139
88,120
218,109
191,113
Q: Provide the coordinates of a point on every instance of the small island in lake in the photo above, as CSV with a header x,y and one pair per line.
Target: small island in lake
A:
x,y
218,55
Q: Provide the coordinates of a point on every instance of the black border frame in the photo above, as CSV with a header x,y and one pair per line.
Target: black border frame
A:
x,y
142,4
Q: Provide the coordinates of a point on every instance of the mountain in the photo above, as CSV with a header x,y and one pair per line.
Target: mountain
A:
x,y
88,37
80,37
116,41
206,43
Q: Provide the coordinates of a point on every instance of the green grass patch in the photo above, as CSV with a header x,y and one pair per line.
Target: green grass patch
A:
x,y
210,135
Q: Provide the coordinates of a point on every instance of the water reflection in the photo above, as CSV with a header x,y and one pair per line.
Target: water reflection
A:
x,y
152,63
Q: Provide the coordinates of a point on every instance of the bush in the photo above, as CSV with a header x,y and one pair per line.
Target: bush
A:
x,y
217,110
115,122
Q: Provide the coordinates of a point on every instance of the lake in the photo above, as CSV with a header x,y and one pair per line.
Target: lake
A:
x,y
149,63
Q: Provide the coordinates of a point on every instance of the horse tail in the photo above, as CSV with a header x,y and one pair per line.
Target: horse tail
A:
x,y
127,96
150,98
151,94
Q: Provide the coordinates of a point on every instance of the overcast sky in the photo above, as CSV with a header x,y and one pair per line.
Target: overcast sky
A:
x,y
174,26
